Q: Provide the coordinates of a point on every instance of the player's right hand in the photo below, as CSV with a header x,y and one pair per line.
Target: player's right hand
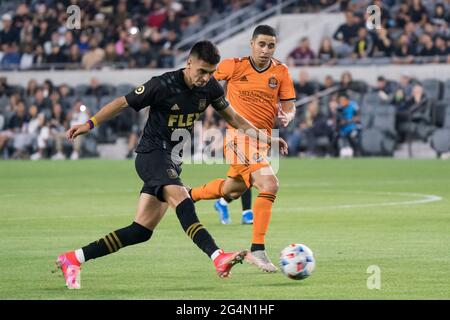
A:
x,y
283,145
77,130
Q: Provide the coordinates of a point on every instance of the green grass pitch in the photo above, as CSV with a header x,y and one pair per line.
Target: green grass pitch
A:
x,y
394,214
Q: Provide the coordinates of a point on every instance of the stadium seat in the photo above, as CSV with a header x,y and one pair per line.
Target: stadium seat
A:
x,y
371,141
80,89
123,89
440,140
432,88
91,103
438,112
446,95
384,119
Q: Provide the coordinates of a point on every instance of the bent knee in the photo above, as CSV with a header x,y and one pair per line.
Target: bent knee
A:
x,y
271,186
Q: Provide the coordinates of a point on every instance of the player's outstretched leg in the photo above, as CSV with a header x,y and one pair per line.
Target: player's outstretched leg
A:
x,y
178,198
70,262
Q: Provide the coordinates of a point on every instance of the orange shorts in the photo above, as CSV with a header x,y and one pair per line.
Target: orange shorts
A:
x,y
245,156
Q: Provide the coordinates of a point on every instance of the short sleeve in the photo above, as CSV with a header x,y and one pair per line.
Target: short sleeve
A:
x,y
217,96
144,95
225,70
287,90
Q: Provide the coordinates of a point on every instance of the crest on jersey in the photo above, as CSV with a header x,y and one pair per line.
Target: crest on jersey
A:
x,y
172,173
202,104
139,90
273,82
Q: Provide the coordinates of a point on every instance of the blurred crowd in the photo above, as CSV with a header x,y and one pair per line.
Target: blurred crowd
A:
x,y
115,33
332,115
412,31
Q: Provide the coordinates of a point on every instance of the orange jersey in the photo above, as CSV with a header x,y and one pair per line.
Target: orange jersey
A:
x,y
255,94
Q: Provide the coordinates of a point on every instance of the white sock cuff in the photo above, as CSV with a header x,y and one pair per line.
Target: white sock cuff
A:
x,y
216,254
223,202
245,211
80,255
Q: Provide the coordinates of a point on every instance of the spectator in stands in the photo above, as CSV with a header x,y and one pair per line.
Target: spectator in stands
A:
x,y
74,57
440,16
94,56
41,101
347,34
39,57
383,44
31,89
328,82
347,83
414,114
9,34
417,12
304,87
96,89
77,116
427,47
58,126
441,50
403,51
363,47
56,58
348,125
385,89
37,133
15,124
302,55
326,54
402,17
145,57
26,60
11,56
315,126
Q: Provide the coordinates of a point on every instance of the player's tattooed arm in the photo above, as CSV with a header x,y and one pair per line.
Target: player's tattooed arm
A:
x,y
109,111
286,112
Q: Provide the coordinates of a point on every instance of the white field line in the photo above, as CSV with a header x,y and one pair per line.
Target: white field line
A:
x,y
423,198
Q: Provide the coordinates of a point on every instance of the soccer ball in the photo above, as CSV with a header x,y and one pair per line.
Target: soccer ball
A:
x,y
297,261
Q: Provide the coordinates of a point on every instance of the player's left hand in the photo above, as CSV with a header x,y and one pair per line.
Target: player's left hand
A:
x,y
284,117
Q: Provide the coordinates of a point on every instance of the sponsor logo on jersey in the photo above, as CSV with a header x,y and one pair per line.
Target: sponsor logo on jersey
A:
x,y
175,107
182,120
202,104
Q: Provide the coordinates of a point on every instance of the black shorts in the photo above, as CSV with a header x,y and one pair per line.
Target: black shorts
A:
x,y
157,170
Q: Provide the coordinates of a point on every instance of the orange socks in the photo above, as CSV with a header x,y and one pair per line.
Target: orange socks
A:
x,y
262,210
211,190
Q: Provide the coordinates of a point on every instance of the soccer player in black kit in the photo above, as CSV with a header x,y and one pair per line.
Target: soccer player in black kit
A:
x,y
177,100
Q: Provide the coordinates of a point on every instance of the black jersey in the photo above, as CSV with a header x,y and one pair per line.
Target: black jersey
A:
x,y
173,106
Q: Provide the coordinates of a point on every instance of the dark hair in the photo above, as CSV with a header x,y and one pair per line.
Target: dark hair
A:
x,y
265,30
206,51
343,94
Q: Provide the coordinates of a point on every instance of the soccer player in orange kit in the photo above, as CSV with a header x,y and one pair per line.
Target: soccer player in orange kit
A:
x,y
260,88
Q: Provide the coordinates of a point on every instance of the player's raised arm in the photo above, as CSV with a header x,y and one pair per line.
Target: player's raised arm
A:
x,y
235,120
107,112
